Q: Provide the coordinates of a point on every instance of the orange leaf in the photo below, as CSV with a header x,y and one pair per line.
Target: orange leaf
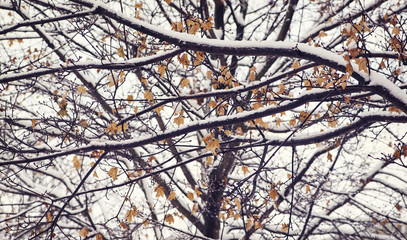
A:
x,y
99,236
113,173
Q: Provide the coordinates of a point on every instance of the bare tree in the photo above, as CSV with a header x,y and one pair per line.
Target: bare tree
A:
x,y
209,119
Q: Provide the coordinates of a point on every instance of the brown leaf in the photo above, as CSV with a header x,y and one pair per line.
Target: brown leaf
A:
x,y
84,232
113,173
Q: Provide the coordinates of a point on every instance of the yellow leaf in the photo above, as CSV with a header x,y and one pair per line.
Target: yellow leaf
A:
x,y
273,194
113,173
171,196
169,218
295,65
161,69
184,82
76,163
84,232
99,236
149,96
245,170
135,110
228,132
292,122
179,120
194,208
81,90
33,121
159,191
190,196
120,52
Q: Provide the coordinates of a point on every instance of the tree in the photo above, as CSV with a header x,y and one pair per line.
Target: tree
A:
x,y
140,119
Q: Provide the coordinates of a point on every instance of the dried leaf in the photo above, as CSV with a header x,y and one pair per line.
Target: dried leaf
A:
x,y
113,173
273,194
161,69
169,218
245,170
84,232
120,52
159,191
171,196
76,163
179,120
194,208
81,90
184,82
295,65
99,236
33,122
149,96
190,196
